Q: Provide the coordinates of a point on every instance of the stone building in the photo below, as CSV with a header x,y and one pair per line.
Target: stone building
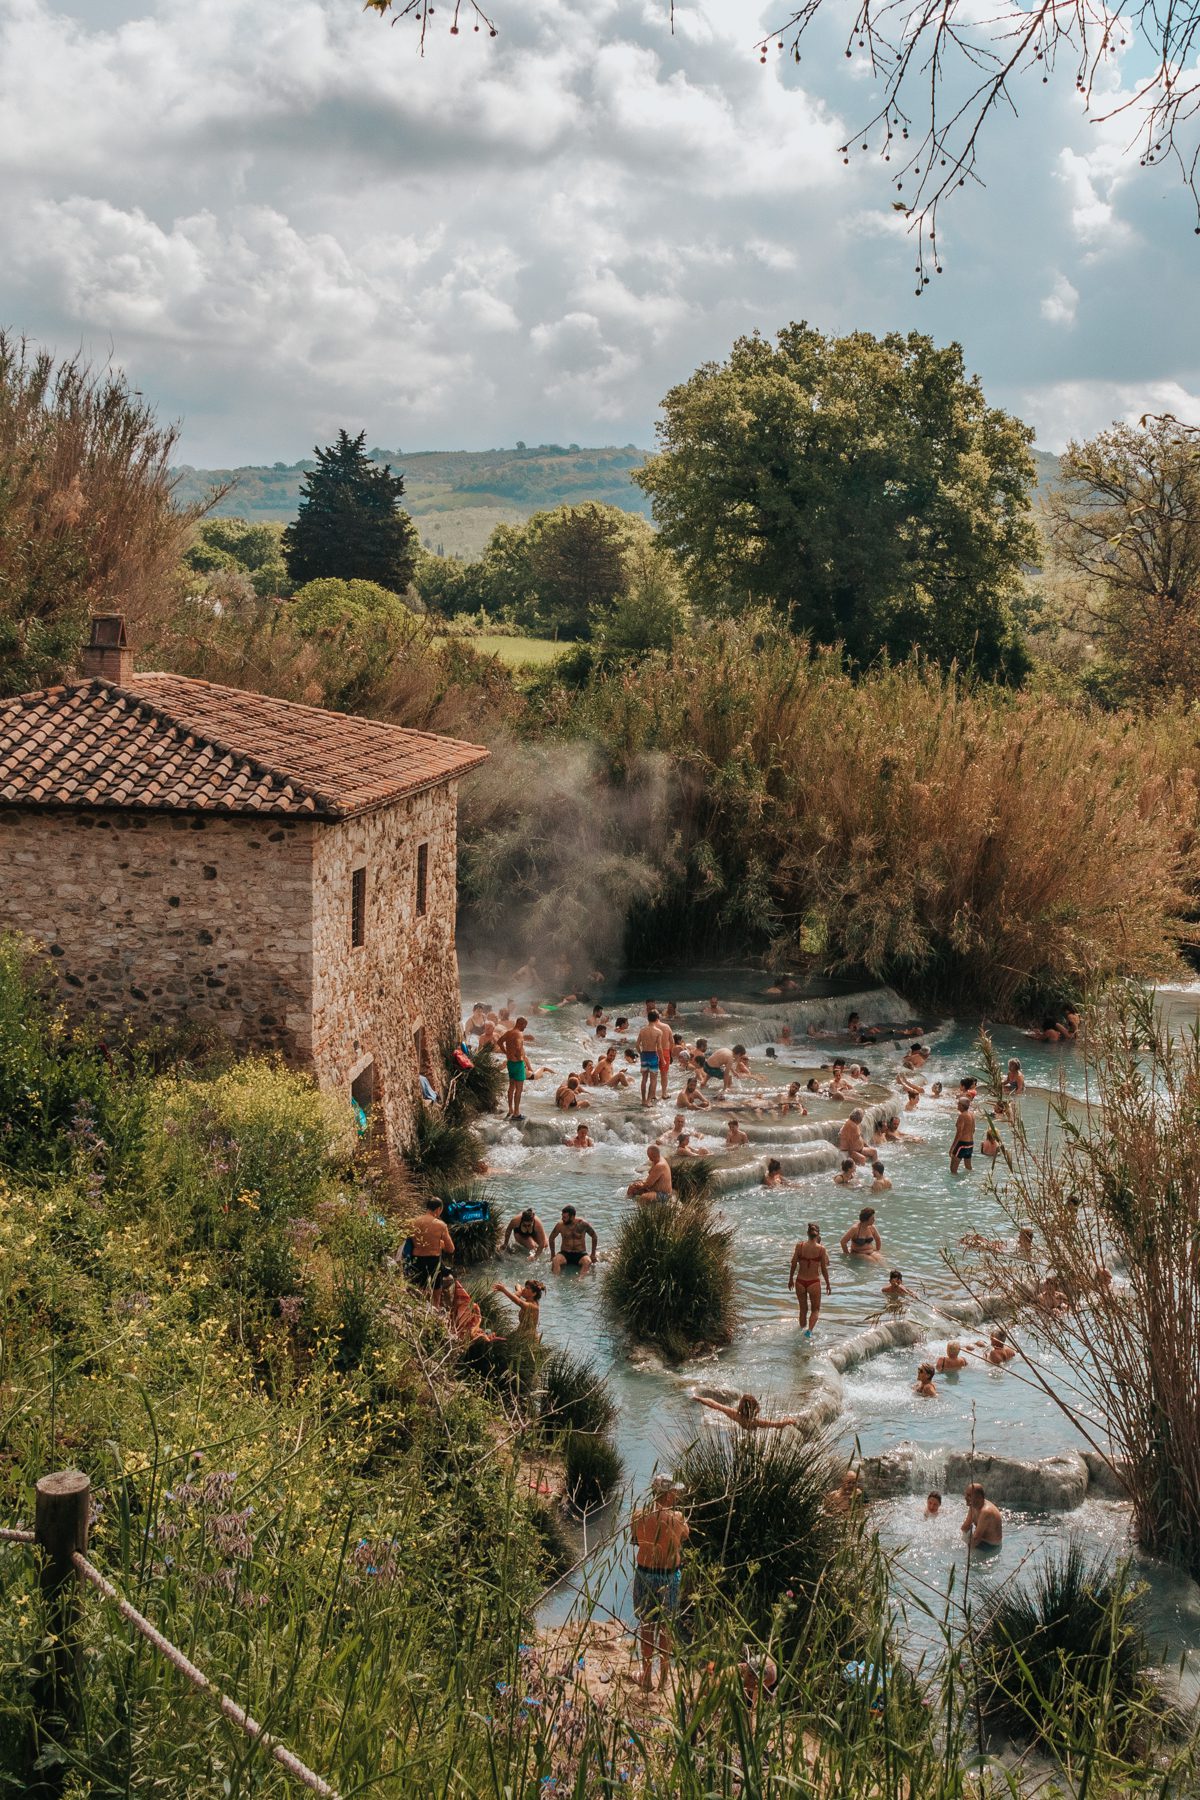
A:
x,y
281,873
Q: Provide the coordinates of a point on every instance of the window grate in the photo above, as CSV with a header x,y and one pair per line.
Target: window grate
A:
x,y
422,879
358,909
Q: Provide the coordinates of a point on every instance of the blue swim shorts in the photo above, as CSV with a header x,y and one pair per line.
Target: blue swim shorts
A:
x,y
649,1059
655,1592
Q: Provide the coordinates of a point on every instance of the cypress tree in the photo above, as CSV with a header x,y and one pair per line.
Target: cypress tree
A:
x,y
350,523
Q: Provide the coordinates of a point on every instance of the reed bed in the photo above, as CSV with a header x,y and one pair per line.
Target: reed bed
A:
x,y
670,1278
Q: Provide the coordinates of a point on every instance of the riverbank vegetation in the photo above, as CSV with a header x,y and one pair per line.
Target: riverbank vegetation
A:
x,y
669,1279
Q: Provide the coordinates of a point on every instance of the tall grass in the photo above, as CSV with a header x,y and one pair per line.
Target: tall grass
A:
x,y
757,1508
574,1395
670,1279
592,1467
440,1151
1115,1209
1061,1646
475,1240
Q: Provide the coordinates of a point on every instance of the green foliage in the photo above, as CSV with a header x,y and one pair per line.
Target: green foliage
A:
x,y
670,1278
756,1505
86,508
593,1469
691,1177
860,484
441,1151
349,524
253,547
330,605
574,1395
473,1242
470,1092
69,1100
1060,1648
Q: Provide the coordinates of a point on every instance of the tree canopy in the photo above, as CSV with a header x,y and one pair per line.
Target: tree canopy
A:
x,y
1126,523
87,519
350,524
860,484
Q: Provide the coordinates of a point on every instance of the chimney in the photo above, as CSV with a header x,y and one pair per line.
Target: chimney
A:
x,y
108,654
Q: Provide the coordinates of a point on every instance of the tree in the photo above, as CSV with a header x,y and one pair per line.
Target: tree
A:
x,y
86,513
350,524
860,484
1126,524
579,564
253,546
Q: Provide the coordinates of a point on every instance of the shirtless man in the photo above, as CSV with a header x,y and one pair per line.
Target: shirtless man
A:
x,y
691,1095
1000,1351
894,1288
714,1009
719,1062
963,1147
524,1235
570,1095
512,1043
660,1532
572,1243
676,1130
431,1241
953,1359
657,1183
983,1526
648,1045
863,1239
615,1077
666,1049
793,1100
810,1266
582,1140
880,1182
735,1137
916,1058
850,1138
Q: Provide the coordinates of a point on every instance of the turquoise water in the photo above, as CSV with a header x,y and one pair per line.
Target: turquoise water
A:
x,y
927,1211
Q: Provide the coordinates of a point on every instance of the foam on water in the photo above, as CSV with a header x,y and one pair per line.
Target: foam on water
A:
x,y
926,1212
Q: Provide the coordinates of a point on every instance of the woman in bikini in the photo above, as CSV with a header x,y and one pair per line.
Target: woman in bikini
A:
x,y
810,1266
863,1239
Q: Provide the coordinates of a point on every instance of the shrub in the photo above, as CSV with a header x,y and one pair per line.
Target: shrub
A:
x,y
475,1240
1061,1649
593,1469
440,1150
670,1279
557,1551
253,1146
691,1177
575,1396
758,1515
476,1090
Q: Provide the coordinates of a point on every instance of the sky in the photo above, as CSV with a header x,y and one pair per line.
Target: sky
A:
x,y
280,219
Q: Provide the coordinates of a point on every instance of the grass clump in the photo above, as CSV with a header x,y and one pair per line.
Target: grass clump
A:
x,y
670,1280
440,1151
1061,1648
574,1395
593,1469
475,1239
691,1177
756,1504
470,1092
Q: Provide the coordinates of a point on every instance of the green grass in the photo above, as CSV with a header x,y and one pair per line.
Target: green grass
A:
x,y
574,1395
593,1469
517,652
670,1280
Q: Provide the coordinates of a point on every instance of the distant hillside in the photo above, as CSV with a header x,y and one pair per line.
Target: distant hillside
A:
x,y
456,497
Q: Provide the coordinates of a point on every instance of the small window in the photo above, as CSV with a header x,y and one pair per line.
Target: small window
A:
x,y
358,909
422,878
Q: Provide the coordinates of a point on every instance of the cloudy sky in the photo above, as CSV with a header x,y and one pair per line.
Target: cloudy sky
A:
x,y
279,219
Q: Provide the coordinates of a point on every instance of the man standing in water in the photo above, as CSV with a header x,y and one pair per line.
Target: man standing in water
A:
x,y
660,1532
810,1264
573,1243
648,1045
983,1526
513,1045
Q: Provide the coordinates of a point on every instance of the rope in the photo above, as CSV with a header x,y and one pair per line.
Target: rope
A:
x,y
232,1711
16,1537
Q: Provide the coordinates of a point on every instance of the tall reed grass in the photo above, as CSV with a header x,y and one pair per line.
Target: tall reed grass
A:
x,y
670,1278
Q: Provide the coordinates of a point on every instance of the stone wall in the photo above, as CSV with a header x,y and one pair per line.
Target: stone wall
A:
x,y
369,1002
164,917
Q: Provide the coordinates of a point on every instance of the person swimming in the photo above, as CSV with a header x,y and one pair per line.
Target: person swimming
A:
x,y
953,1358
863,1239
924,1384
774,1177
848,1176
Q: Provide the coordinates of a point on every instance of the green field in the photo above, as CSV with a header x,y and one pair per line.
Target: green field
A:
x,y
518,652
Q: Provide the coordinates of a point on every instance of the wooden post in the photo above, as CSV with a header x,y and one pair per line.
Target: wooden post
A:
x,y
60,1525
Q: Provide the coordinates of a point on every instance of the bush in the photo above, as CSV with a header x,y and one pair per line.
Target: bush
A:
x,y
670,1280
691,1177
575,1396
252,1147
475,1240
1061,1649
557,1551
476,1090
440,1150
593,1469
758,1515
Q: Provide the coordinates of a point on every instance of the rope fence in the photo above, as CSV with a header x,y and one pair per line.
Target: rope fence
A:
x,y
60,1532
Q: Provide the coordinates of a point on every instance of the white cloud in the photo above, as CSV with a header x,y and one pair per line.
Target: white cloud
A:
x,y
281,219
1068,409
1061,303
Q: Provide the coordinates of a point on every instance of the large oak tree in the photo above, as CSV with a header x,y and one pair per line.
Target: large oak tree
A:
x,y
860,484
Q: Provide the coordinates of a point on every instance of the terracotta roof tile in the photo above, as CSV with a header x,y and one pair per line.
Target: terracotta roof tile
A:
x,y
168,743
